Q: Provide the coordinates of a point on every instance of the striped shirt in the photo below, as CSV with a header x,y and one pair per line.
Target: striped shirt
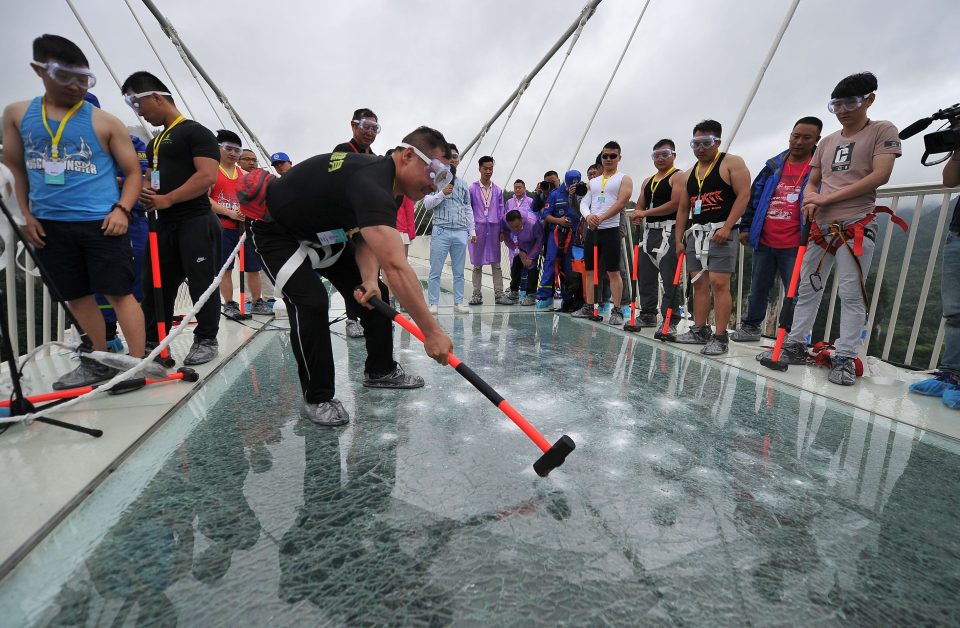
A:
x,y
454,211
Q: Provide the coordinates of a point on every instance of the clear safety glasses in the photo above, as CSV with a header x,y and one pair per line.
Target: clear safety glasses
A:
x,y
851,103
133,100
230,148
439,171
369,125
665,153
67,75
704,141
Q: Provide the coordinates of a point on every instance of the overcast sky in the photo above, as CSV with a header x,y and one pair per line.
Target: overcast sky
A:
x,y
295,70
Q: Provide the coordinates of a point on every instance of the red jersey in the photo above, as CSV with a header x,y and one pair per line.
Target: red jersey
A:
x,y
224,191
781,227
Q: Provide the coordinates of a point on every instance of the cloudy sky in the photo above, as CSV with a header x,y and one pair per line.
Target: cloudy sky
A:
x,y
295,70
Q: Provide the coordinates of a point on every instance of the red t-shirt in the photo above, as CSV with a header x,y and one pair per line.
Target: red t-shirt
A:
x,y
224,191
781,227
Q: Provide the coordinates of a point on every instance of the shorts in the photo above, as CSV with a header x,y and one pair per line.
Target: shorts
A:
x,y
607,242
80,260
721,258
404,238
251,263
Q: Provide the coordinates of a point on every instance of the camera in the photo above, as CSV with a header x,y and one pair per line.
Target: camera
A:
x,y
581,189
546,187
938,142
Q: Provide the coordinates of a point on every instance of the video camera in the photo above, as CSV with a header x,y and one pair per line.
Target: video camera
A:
x,y
938,142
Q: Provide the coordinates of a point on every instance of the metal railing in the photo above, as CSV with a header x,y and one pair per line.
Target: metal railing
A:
x,y
903,327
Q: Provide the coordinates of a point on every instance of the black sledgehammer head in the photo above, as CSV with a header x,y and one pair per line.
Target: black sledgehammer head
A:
x,y
189,375
629,327
770,364
554,456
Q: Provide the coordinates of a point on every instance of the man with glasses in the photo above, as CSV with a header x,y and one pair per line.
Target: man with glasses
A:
x,y
847,168
365,127
248,160
606,197
452,227
334,216
223,199
65,154
772,224
656,212
712,201
183,160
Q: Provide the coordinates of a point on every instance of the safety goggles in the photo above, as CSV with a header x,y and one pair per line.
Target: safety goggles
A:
x,y
133,100
851,103
703,141
665,153
67,75
368,125
609,156
230,148
439,171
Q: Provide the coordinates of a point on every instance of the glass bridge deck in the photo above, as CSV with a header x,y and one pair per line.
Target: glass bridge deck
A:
x,y
698,494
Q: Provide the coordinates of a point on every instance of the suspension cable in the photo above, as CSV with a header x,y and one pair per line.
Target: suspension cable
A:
x,y
612,75
103,58
163,65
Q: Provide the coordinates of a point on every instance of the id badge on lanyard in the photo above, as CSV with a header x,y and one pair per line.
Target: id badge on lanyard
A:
x,y
697,207
155,179
54,172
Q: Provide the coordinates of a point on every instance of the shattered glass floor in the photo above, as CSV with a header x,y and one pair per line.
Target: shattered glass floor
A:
x,y
697,495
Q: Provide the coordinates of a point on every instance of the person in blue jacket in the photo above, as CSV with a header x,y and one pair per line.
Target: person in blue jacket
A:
x,y
561,219
772,221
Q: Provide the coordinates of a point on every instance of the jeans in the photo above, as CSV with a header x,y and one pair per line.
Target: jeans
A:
x,y
950,295
853,311
767,262
444,241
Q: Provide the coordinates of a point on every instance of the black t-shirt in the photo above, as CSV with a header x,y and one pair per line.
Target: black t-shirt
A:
x,y
351,146
185,141
335,191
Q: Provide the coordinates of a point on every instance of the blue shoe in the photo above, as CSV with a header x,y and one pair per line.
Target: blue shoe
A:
x,y
544,304
951,398
936,386
115,345
625,310
605,309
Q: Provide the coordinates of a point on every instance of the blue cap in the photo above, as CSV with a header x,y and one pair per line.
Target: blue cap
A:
x,y
93,100
278,157
571,177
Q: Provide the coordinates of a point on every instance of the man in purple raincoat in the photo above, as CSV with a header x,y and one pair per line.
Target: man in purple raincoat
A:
x,y
524,237
489,211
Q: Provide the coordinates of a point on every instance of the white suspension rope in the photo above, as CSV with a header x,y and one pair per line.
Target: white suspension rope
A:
x,y
576,36
187,318
103,58
162,64
516,101
763,71
612,75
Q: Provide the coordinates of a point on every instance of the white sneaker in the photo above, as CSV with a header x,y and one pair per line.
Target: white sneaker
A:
x,y
460,308
435,309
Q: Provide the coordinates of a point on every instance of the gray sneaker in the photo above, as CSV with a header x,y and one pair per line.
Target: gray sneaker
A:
x,y
513,294
327,413
202,351
584,312
647,319
530,299
843,371
504,299
746,333
394,379
261,308
476,299
791,353
671,333
354,329
717,345
88,373
231,309
616,318
695,336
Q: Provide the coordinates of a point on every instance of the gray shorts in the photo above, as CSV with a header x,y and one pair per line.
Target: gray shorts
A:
x,y
721,258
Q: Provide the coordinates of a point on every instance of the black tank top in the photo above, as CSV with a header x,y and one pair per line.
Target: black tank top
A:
x,y
717,195
656,198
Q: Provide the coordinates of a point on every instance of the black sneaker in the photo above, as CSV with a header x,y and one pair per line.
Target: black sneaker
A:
x,y
717,345
647,319
396,378
695,336
791,353
746,333
88,373
326,413
202,351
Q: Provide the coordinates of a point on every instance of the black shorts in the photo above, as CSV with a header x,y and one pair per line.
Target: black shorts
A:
x,y
607,242
80,260
251,263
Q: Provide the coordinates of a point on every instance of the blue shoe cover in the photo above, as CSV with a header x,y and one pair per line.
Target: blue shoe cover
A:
x,y
935,386
951,398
